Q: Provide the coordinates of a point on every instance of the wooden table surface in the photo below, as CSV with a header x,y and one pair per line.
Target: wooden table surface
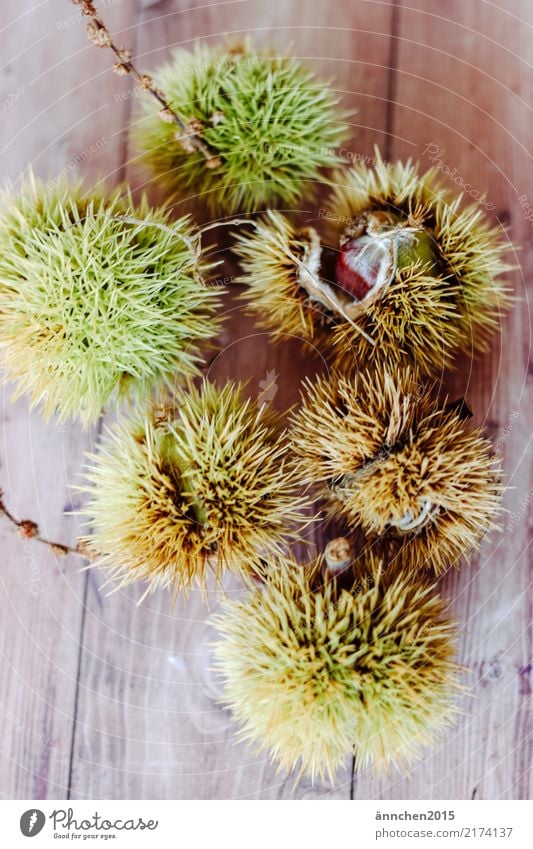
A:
x,y
100,698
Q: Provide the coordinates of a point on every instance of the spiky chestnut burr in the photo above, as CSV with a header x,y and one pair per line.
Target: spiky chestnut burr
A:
x,y
98,34
398,273
313,671
382,450
278,262
99,298
203,484
270,122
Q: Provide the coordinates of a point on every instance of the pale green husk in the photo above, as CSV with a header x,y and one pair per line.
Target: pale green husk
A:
x,y
313,672
273,125
203,485
100,298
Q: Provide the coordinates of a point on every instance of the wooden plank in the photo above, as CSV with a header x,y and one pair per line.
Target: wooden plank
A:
x,y
53,117
462,98
149,726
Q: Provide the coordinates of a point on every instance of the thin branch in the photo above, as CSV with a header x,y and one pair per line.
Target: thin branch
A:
x,y
28,529
99,35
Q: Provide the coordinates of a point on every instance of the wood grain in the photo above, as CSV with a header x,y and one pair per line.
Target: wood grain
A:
x,y
58,123
102,698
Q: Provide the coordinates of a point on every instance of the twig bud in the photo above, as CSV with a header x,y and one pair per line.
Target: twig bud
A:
x,y
338,555
88,8
28,529
124,54
98,34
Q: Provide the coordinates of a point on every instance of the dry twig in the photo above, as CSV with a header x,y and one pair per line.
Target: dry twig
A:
x,y
29,529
